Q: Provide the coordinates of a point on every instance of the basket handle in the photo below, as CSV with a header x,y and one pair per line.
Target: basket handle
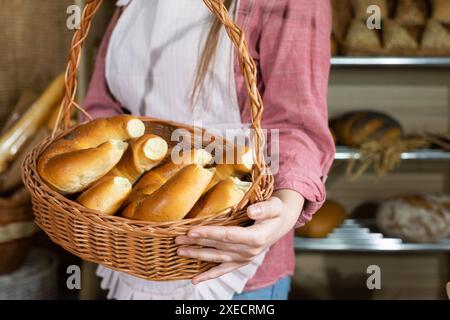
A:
x,y
246,62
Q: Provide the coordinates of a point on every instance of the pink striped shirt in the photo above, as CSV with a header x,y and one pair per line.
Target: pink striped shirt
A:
x,y
290,42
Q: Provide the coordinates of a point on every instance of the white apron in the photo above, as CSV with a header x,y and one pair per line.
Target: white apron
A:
x,y
150,69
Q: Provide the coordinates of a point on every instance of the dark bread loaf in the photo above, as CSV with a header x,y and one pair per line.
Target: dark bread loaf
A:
x,y
355,128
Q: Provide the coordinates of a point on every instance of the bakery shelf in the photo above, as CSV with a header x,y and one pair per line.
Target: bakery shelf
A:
x,y
419,62
344,153
361,236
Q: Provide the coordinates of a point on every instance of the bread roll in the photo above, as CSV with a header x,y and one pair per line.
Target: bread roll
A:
x,y
74,171
175,198
154,179
143,154
237,166
74,162
107,195
324,221
227,193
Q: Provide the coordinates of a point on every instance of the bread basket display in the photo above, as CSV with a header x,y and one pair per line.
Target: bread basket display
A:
x,y
145,249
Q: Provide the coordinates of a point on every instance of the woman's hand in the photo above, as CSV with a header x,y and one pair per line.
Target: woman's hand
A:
x,y
234,247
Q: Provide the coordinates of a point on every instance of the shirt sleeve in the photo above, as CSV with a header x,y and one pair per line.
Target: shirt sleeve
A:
x,y
294,64
99,101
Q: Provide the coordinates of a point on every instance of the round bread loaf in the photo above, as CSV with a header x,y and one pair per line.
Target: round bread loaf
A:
x,y
415,218
324,221
355,128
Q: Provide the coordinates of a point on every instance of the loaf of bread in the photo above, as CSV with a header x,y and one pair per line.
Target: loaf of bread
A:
x,y
411,12
175,198
355,128
441,11
435,37
360,8
74,162
324,221
154,179
415,218
397,37
360,37
107,195
226,194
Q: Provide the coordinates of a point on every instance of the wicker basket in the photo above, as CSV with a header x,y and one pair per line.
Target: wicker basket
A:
x,y
143,249
16,230
35,280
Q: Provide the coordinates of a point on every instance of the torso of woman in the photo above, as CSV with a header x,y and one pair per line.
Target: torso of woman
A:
x,y
150,71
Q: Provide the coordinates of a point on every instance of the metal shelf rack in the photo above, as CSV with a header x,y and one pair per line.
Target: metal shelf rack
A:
x,y
345,153
385,62
362,236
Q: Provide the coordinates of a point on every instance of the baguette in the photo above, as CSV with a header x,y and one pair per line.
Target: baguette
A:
x,y
30,122
227,193
26,99
12,178
175,198
154,179
96,147
107,195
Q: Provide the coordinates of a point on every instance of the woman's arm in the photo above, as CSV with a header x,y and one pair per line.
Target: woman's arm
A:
x,y
294,64
99,101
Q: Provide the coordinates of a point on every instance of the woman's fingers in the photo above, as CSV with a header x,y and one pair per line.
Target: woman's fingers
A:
x,y
218,271
211,255
237,235
269,209
233,247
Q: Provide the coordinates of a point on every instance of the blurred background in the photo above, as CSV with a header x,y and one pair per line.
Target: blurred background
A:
x,y
388,191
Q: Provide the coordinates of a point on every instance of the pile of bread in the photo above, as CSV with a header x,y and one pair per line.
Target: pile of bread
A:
x,y
408,27
113,166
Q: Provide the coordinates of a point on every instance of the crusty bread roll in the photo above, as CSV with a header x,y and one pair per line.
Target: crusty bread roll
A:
x,y
74,162
227,193
110,192
143,154
154,179
236,166
106,195
175,198
324,221
74,171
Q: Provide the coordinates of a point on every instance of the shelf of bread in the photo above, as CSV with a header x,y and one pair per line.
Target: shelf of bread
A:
x,y
386,28
346,153
395,62
361,236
